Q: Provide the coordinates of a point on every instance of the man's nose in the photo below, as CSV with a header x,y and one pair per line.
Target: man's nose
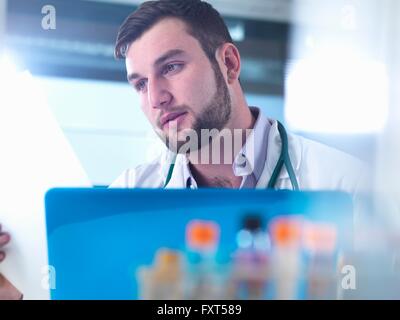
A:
x,y
158,95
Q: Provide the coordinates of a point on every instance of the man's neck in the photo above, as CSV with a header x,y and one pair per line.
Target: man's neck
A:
x,y
215,176
221,174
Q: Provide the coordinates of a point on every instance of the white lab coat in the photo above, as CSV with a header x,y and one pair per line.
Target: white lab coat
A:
x,y
317,167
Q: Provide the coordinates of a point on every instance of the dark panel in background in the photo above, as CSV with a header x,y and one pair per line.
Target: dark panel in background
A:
x,y
82,44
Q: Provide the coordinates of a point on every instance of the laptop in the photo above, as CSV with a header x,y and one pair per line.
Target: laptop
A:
x,y
100,239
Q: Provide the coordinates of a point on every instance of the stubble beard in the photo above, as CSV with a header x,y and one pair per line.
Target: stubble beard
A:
x,y
213,118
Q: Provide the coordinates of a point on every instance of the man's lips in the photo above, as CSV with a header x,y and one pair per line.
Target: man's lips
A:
x,y
170,117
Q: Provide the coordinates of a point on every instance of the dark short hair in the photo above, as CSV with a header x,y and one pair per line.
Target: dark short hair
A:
x,y
203,23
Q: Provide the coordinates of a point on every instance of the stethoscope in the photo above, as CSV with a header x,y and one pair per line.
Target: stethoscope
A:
x,y
284,160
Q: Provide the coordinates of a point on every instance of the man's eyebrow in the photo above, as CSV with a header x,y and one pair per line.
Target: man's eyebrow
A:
x,y
168,55
132,77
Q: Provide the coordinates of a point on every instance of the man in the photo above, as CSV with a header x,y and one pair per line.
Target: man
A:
x,y
182,62
185,68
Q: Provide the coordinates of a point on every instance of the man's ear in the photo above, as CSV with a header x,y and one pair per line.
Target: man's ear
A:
x,y
231,59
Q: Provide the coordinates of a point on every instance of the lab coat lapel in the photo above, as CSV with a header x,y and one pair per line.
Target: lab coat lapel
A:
x,y
177,178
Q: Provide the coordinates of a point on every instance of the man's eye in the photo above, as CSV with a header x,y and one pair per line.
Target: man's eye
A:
x,y
171,68
140,85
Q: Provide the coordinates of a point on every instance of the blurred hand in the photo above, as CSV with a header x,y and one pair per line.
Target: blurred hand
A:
x,y
7,290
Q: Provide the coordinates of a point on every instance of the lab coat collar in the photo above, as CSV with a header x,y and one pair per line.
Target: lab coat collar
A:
x,y
253,153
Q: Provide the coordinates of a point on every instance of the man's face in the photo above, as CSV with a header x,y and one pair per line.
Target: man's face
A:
x,y
179,88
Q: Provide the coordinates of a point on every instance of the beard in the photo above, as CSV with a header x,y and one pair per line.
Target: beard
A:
x,y
214,116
